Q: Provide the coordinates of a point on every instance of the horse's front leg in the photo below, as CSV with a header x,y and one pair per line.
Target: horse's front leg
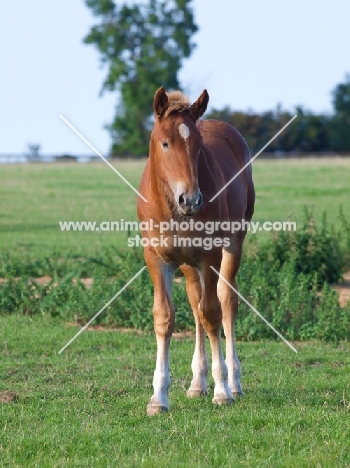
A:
x,y
210,315
199,365
164,320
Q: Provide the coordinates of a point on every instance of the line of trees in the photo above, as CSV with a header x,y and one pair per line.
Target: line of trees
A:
x,y
143,45
309,133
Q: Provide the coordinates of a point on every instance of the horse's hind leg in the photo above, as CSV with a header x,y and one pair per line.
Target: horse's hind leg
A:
x,y
199,366
229,304
164,321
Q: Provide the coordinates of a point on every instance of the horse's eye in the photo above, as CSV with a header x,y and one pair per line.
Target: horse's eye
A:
x,y
165,144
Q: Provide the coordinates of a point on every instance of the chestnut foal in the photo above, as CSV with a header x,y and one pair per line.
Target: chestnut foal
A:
x,y
189,162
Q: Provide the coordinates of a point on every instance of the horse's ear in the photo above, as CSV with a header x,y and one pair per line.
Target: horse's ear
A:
x,y
200,106
160,103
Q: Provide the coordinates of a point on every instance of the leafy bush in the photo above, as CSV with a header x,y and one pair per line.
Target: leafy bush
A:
x,y
286,279
310,248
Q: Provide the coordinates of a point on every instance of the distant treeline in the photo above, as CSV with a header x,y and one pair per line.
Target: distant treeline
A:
x,y
308,133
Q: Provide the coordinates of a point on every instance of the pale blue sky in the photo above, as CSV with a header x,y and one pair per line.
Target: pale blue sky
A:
x,y
252,54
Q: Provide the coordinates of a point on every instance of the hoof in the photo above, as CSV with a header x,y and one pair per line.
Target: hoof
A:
x,y
238,394
195,393
153,409
223,401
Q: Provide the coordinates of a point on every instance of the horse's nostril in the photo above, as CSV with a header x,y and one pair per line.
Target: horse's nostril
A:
x,y
181,200
195,201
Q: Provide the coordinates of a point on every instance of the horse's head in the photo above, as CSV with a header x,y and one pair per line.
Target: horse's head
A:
x,y
175,147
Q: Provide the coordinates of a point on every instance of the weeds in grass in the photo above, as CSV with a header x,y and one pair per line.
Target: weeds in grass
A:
x,y
287,280
311,249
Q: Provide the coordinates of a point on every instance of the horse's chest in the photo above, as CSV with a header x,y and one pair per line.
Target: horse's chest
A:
x,y
184,247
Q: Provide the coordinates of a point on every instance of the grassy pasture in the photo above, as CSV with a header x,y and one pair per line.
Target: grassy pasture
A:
x,y
35,197
86,407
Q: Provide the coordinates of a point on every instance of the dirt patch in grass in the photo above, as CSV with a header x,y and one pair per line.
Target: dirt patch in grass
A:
x,y
78,323
343,289
44,280
8,397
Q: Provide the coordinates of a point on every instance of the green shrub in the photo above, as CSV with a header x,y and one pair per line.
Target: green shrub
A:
x,y
312,249
281,278
332,322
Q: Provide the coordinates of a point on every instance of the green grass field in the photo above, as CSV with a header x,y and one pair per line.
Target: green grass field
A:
x,y
87,407
34,198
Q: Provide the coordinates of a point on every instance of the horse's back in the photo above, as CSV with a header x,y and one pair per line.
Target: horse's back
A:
x,y
230,153
225,142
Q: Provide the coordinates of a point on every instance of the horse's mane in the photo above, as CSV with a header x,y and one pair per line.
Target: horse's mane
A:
x,y
177,102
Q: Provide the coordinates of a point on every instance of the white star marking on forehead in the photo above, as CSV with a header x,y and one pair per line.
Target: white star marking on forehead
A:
x,y
184,131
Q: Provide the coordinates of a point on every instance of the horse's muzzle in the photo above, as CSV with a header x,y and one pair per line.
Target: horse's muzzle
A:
x,y
190,204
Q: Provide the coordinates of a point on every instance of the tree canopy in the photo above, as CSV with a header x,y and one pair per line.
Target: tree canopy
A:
x,y
341,123
143,46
